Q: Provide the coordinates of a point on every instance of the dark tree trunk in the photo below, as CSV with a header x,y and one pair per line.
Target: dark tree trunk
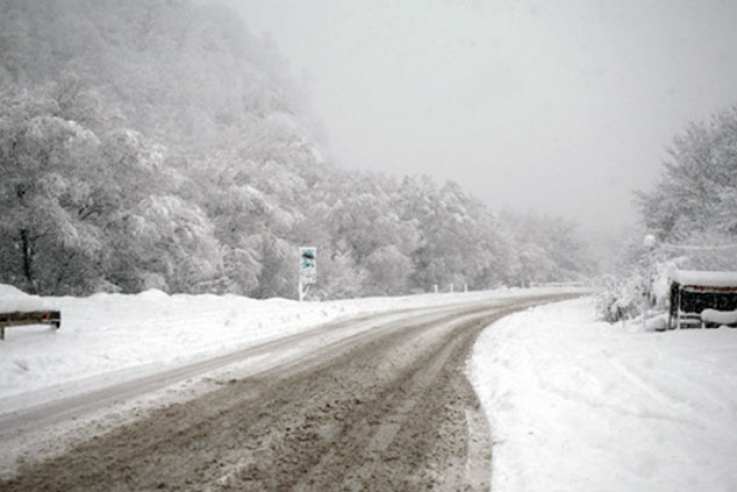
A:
x,y
27,249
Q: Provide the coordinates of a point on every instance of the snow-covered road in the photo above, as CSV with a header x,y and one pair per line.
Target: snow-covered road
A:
x,y
108,339
574,404
250,361
118,356
377,404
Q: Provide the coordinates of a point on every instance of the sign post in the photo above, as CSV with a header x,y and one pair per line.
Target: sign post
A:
x,y
307,270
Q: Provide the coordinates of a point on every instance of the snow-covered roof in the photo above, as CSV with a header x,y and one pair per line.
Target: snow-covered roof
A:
x,y
706,279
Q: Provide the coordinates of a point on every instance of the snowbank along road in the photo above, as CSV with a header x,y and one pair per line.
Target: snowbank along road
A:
x,y
382,405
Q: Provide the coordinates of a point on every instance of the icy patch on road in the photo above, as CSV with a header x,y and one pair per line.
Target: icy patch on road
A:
x,y
575,404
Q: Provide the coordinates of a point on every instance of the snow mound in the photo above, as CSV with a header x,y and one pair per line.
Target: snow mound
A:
x,y
10,291
153,295
719,317
12,299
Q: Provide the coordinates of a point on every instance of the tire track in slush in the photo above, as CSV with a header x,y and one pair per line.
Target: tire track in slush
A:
x,y
379,437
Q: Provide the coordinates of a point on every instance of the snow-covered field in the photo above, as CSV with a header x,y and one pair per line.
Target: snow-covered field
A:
x,y
575,404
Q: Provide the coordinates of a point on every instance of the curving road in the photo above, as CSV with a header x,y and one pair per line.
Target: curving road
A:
x,y
382,405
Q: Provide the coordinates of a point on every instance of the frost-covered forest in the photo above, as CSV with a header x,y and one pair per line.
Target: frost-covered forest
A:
x,y
157,144
689,218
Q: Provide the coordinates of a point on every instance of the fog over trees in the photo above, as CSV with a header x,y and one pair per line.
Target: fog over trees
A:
x,y
158,144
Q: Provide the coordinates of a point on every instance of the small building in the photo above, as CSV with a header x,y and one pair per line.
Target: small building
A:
x,y
702,299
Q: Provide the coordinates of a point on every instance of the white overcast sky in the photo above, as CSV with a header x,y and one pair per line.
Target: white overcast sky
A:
x,y
564,107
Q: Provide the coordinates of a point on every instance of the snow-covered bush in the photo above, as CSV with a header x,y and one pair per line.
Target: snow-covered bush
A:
x,y
621,298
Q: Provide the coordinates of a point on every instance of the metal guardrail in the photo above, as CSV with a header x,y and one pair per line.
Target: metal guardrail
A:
x,y
20,318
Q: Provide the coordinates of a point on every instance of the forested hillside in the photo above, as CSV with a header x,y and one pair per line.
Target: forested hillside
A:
x,y
158,144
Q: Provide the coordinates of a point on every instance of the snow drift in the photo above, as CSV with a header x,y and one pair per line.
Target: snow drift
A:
x,y
575,404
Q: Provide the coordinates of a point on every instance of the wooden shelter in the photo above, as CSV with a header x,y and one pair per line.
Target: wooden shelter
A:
x,y
699,299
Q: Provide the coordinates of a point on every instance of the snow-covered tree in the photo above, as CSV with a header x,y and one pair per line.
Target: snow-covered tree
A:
x,y
691,212
44,163
697,191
